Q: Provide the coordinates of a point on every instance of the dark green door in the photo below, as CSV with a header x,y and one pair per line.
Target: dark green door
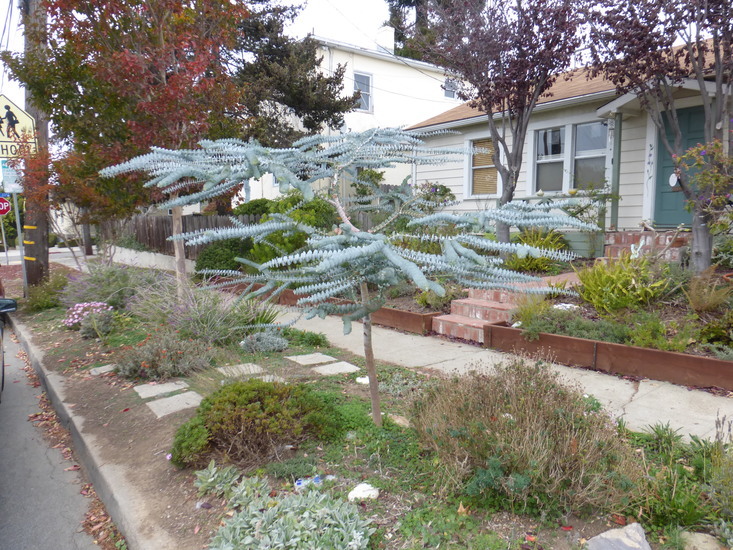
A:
x,y
669,209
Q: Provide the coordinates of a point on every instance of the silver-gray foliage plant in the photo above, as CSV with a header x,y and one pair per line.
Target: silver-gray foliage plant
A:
x,y
340,262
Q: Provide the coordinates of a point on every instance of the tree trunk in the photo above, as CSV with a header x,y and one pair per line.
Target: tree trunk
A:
x,y
179,252
369,356
86,231
702,243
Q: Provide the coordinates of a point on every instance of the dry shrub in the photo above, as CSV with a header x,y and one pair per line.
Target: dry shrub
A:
x,y
523,440
704,294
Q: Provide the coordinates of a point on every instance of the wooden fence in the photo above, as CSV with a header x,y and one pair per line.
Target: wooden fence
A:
x,y
153,231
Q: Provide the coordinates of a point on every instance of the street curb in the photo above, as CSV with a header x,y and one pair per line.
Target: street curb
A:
x,y
109,483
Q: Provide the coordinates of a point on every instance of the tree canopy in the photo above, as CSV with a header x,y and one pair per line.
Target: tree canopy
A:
x,y
655,48
118,76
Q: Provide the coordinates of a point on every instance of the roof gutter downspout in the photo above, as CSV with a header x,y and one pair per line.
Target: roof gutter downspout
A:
x,y
616,170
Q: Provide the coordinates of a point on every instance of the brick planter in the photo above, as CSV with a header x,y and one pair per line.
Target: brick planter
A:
x,y
678,368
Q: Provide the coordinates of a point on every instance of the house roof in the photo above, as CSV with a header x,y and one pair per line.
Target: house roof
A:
x,y
576,87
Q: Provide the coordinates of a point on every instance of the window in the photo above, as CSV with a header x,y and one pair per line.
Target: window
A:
x,y
589,170
363,85
550,159
450,88
483,172
571,156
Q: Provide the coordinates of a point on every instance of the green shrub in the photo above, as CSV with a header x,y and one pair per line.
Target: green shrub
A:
x,y
528,308
675,487
292,469
624,282
113,284
718,331
649,331
46,295
163,355
97,324
522,440
247,422
429,299
221,255
537,238
255,207
723,251
305,338
316,213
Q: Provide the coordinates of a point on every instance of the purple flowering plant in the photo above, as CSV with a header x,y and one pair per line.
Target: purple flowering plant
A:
x,y
78,312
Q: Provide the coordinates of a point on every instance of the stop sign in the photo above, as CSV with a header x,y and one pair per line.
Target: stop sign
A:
x,y
4,206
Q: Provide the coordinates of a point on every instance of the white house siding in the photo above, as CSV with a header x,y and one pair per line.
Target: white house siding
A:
x,y
403,91
637,159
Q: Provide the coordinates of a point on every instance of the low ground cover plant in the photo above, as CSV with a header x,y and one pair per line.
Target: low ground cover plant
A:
x,y
266,519
47,295
76,314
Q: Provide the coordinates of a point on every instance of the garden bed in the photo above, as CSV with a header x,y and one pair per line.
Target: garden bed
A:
x,y
409,321
678,368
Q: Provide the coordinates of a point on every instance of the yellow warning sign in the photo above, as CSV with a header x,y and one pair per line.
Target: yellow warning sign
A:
x,y
16,128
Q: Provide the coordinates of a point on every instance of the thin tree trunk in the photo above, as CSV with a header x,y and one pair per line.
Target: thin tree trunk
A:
x,y
702,243
369,356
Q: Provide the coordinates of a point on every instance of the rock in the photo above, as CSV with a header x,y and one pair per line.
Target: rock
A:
x,y
400,420
631,537
701,541
362,380
363,491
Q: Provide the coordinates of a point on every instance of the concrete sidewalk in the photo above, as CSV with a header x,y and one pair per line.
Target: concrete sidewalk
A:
x,y
641,404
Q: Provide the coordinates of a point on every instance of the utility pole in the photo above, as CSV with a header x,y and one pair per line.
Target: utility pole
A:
x,y
36,222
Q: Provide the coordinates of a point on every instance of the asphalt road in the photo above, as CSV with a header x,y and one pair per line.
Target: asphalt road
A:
x,y
40,504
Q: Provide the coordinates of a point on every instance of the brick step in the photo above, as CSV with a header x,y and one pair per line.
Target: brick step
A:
x,y
459,326
485,310
502,295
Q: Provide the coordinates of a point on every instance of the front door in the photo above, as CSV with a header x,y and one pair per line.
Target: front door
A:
x,y
669,210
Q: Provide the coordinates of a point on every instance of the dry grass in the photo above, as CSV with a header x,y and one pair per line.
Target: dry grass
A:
x,y
704,293
522,436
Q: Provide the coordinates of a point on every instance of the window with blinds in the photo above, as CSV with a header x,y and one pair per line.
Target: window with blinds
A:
x,y
484,176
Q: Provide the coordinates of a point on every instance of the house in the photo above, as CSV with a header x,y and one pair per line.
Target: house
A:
x,y
395,91
581,136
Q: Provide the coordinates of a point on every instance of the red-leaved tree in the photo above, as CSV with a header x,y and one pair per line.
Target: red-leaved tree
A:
x,y
660,50
508,54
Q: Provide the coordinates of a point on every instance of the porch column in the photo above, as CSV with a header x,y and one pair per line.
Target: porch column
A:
x,y
616,170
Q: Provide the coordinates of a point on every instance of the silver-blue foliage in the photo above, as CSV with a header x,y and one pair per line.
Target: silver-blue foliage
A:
x,y
336,263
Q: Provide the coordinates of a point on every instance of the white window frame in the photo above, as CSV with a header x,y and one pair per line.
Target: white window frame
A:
x,y
569,155
369,93
468,168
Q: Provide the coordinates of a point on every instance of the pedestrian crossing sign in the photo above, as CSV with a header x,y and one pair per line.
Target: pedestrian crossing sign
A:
x,y
17,128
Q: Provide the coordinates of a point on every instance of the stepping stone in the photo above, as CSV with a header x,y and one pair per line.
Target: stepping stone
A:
x,y
245,369
96,371
169,405
311,359
146,391
342,367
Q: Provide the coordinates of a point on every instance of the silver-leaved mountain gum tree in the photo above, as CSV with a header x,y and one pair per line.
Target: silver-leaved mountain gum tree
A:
x,y
348,261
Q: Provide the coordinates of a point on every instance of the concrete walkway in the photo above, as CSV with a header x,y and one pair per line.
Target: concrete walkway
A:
x,y
641,404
